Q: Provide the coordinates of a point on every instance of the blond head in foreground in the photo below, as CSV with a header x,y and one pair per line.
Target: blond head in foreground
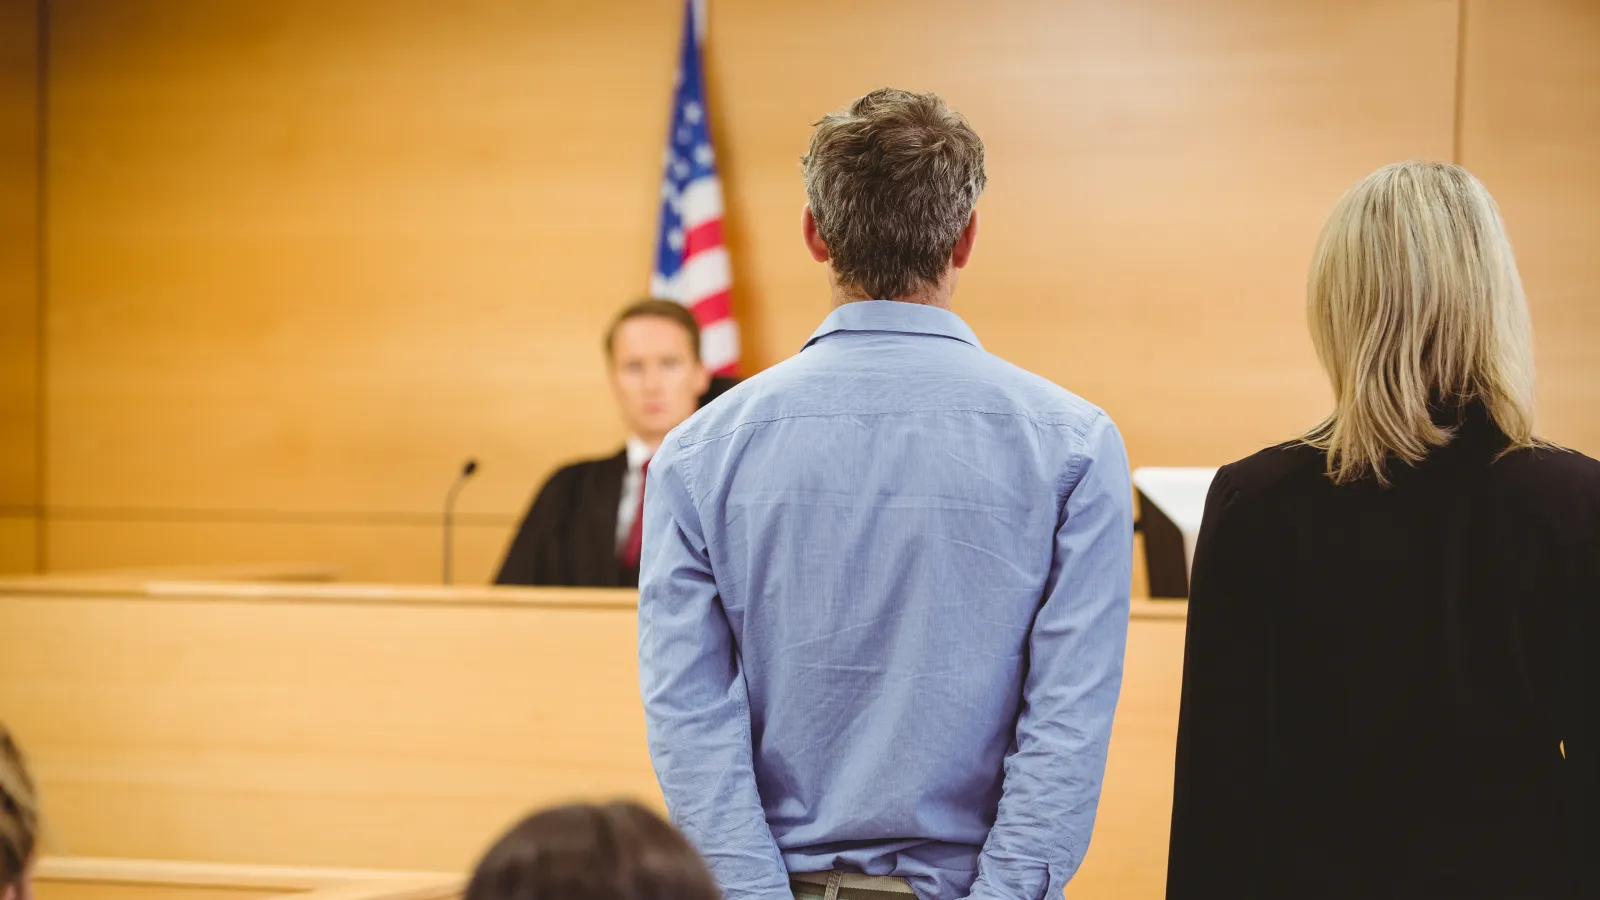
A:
x,y
1416,309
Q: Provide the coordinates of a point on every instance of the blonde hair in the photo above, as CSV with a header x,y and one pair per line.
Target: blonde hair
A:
x,y
19,813
1414,303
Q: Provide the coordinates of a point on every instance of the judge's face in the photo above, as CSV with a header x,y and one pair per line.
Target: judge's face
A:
x,y
656,375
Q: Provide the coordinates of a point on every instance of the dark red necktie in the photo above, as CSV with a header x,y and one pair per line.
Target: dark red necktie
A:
x,y
630,547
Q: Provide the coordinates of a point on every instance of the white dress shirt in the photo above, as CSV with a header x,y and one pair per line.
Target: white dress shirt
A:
x,y
632,486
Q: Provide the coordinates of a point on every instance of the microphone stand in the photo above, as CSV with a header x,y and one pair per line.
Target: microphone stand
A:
x,y
467,469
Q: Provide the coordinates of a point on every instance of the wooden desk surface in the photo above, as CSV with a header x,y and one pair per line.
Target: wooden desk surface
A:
x,y
136,585
91,878
106,586
286,571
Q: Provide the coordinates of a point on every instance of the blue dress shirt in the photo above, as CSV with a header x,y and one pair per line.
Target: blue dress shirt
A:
x,y
882,611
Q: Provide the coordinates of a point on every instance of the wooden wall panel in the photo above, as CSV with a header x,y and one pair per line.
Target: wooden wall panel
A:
x,y
398,550
19,284
311,257
1531,130
308,258
1158,175
19,548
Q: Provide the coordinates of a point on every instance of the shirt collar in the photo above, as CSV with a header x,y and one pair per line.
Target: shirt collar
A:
x,y
638,453
895,316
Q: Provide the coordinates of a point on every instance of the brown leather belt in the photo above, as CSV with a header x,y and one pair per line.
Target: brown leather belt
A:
x,y
850,886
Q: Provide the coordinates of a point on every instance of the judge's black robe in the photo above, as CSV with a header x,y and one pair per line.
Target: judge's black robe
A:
x,y
569,536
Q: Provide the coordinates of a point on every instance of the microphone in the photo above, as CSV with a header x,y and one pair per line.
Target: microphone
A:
x,y
467,470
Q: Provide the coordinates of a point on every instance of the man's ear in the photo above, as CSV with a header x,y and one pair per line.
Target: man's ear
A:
x,y
814,242
963,249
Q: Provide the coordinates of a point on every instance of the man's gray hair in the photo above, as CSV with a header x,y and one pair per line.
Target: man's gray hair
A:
x,y
892,181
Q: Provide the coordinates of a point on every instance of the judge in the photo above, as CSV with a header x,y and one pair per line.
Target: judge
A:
x,y
583,527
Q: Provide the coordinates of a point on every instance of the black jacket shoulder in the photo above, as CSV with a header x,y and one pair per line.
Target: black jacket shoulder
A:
x,y
1545,473
1550,471
1286,464
568,536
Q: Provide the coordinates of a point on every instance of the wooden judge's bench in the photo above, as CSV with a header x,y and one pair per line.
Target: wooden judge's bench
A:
x,y
303,737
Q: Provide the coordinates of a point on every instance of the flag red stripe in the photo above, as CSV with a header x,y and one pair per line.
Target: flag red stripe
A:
x,y
705,236
714,308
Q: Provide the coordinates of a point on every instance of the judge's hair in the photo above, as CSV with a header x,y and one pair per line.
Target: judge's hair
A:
x,y
1414,303
661,309
619,851
19,813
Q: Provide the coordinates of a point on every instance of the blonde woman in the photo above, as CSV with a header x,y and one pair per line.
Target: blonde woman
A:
x,y
1388,680
19,821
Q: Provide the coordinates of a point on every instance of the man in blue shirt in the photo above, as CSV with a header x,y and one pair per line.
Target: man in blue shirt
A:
x,y
884,586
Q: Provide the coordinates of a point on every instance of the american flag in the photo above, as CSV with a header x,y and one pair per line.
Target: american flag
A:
x,y
691,260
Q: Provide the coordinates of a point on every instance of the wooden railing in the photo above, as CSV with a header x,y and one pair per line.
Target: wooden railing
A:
x,y
90,878
400,727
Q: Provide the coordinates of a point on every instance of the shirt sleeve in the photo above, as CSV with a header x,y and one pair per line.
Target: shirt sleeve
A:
x,y
1219,785
697,710
1074,674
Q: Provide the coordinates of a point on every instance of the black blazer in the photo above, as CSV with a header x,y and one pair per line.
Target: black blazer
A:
x,y
1378,681
569,535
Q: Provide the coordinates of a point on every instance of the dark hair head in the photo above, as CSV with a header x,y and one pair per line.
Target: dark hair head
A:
x,y
19,812
620,851
661,309
892,181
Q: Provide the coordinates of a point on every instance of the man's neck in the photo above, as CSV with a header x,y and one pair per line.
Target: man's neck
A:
x,y
931,295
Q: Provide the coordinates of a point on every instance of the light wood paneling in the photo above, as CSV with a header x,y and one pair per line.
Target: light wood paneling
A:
x,y
88,878
19,283
396,726
1530,130
305,261
51,889
18,543
402,550
227,572
312,257
309,259
232,726
1158,174
1128,856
